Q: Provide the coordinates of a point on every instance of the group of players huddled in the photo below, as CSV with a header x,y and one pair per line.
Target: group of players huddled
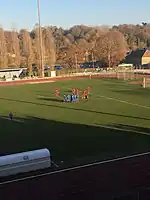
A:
x,y
75,95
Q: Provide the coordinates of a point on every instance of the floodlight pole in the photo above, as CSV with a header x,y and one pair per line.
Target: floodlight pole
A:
x,y
40,38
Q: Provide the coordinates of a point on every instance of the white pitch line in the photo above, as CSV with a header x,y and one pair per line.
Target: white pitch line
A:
x,y
122,101
122,89
122,129
38,82
76,168
46,97
15,120
119,100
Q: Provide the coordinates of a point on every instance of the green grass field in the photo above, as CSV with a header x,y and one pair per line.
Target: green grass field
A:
x,y
113,122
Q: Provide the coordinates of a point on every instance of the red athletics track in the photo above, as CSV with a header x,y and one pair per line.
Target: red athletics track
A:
x,y
103,181
41,80
44,80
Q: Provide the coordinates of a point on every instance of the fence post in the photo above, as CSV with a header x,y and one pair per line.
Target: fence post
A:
x,y
138,197
144,82
124,75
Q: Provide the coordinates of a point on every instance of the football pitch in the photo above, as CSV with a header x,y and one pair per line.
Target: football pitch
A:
x,y
114,122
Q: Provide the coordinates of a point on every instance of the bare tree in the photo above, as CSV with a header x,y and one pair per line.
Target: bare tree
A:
x,y
26,47
39,49
14,51
109,48
102,43
3,50
50,48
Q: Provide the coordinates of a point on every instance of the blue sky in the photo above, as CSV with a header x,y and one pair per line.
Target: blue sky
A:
x,y
66,13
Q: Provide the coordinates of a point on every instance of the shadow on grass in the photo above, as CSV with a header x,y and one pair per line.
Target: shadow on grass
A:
x,y
60,100
72,143
68,140
130,128
73,108
67,91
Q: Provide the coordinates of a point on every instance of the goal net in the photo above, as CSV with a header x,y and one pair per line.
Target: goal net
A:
x,y
125,74
146,82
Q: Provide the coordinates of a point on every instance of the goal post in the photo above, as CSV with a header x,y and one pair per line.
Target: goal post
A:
x,y
146,82
125,74
125,71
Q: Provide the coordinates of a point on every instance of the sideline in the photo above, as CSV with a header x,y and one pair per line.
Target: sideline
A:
x,y
118,100
76,168
123,129
122,101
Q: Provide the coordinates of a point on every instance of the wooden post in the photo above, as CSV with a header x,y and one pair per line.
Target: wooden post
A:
x,y
138,197
124,75
144,82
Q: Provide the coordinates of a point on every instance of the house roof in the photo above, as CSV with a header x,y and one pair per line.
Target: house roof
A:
x,y
138,53
147,53
135,57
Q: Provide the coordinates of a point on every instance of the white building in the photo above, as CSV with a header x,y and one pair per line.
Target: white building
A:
x,y
10,73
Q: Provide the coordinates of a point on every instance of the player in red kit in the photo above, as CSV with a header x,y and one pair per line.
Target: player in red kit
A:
x,y
83,94
73,91
57,92
86,95
88,90
77,91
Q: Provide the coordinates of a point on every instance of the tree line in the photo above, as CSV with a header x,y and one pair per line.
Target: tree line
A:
x,y
66,47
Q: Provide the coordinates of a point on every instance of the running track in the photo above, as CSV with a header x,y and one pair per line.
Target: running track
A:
x,y
44,80
103,181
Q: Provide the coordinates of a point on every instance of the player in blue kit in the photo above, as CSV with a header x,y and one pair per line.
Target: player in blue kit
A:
x,y
65,98
11,116
69,98
73,98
